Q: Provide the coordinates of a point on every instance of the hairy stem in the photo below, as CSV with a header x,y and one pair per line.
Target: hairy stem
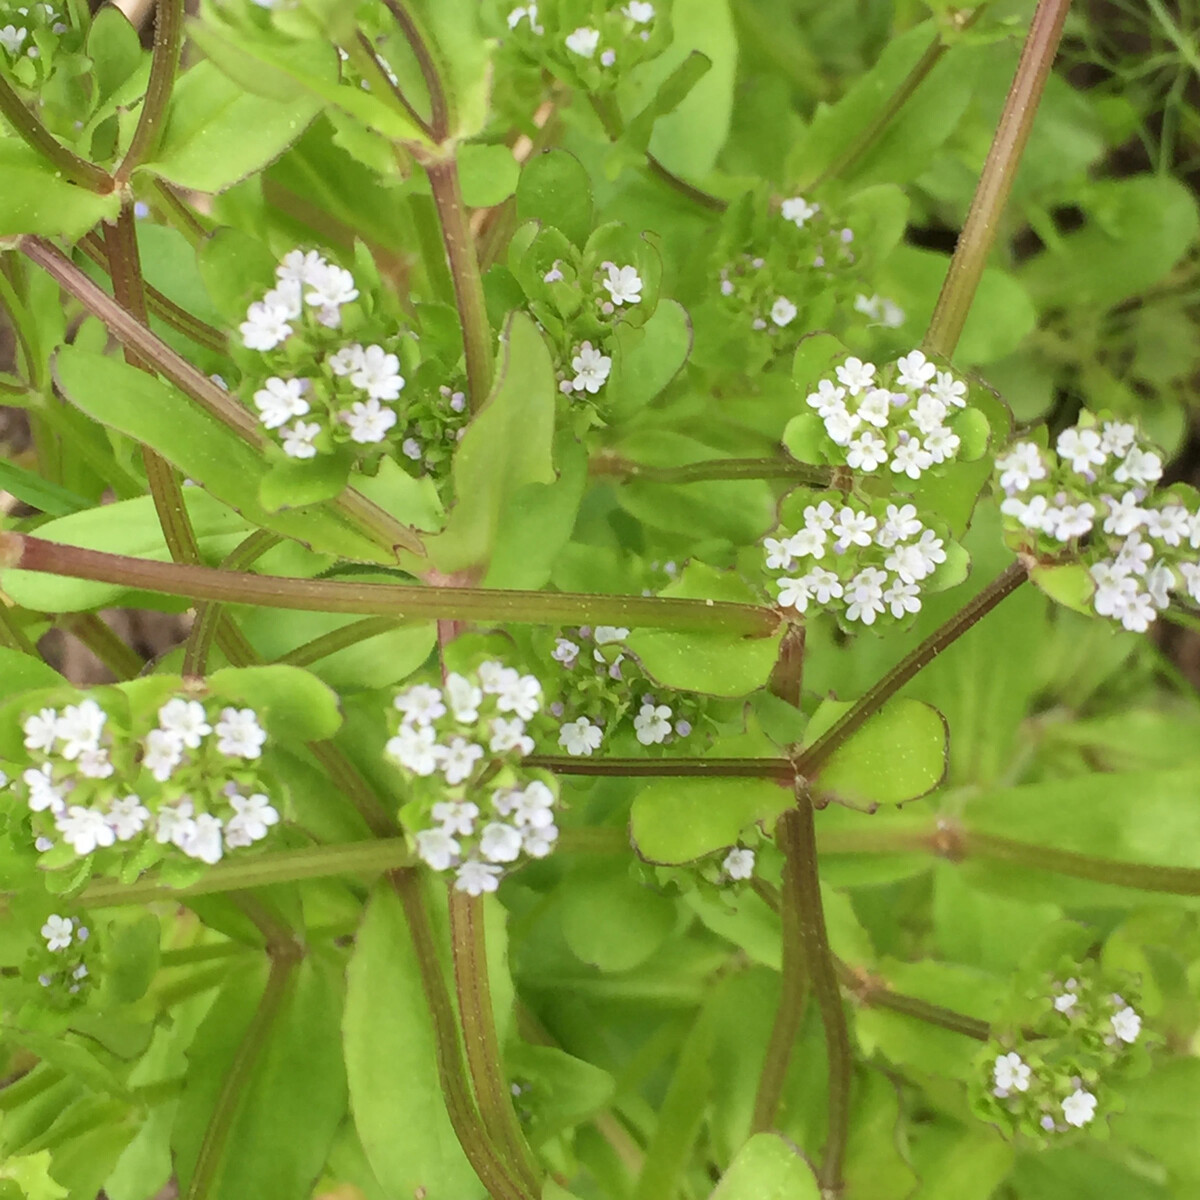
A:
x,y
469,948
164,63
401,600
1011,578
798,839
720,468
999,171
122,660
363,55
875,993
439,111
339,639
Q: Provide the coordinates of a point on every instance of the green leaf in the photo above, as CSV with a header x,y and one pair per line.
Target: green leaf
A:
x,y
767,1168
646,360
461,54
36,199
1069,585
287,1112
217,133
671,93
30,1173
487,174
637,920
681,820
506,446
293,483
555,190
717,664
391,1063
21,672
115,50
237,268
558,1091
898,755
293,705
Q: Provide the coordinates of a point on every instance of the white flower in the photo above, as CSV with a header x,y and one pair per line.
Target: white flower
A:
x,y
1139,466
739,863
583,41
475,878
459,759
798,210
900,524
1009,1074
1191,579
378,373
128,817
522,694
942,444
162,752
827,399
347,360
623,284
911,458
608,57
301,267
500,843
495,677
1124,515
79,727
298,439
174,823
948,390
525,12
1139,613
1170,524
415,748
915,370
1114,589
902,598
330,286
253,816
604,635
533,807
852,528
1126,1024
57,932
856,375
653,723
41,730
1135,554
437,848
456,816
420,704
819,516
580,738
368,421
286,298
509,735
864,595
1064,1003
866,452
411,448
12,39
554,275
464,698
783,311
265,326
1081,447
95,764
641,12
779,556
239,734
1117,438
203,840
1020,467
1074,520
43,794
84,828
1079,1108
841,425
591,369
876,408
794,593
538,842
186,720
808,542
566,652
823,584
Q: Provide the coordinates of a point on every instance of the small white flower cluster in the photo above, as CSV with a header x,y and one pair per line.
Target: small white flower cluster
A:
x,y
858,565
896,417
353,386
1010,1073
601,683
1093,499
585,41
474,726
64,963
620,33
16,37
181,784
880,310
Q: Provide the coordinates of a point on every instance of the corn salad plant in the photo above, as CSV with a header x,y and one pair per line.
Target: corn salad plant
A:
x,y
665,699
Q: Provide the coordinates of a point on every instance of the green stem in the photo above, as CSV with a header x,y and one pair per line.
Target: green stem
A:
x,y
233,1090
782,769
135,335
122,660
478,347
448,603
362,55
439,113
72,168
339,639
469,949
875,993
798,840
12,635
720,468
456,1088
261,870
890,109
164,63
1007,582
346,779
181,215
999,172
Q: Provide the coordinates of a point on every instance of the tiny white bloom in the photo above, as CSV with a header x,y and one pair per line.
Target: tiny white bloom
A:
x,y
84,829
186,720
415,748
1135,554
653,723
464,698
1124,514
1191,579
798,210
57,931
301,267
783,311
298,439
641,12
253,816
1170,524
866,452
500,843
378,373
841,425
1127,1025
580,737
739,863
911,458
591,369
203,840
128,816
475,878
537,842
607,58
827,399
79,727
950,391
808,542
534,806
1079,1108
1065,1002
330,286
411,448
368,421
1117,438
1139,466
347,360
459,758
794,593
13,38
420,704
915,371
928,414
437,848
605,635
779,556
1010,1073
508,736
1020,467
853,528
623,284
94,763
823,584
456,816
522,694
1115,588
41,730
819,516
1074,520
900,524
265,326
1139,613
286,298
583,41
942,444
162,752
902,598
1081,448
174,823
239,734
876,408
566,651
856,375
864,595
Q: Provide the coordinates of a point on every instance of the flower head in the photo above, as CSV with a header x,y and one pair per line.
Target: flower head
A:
x,y
623,284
